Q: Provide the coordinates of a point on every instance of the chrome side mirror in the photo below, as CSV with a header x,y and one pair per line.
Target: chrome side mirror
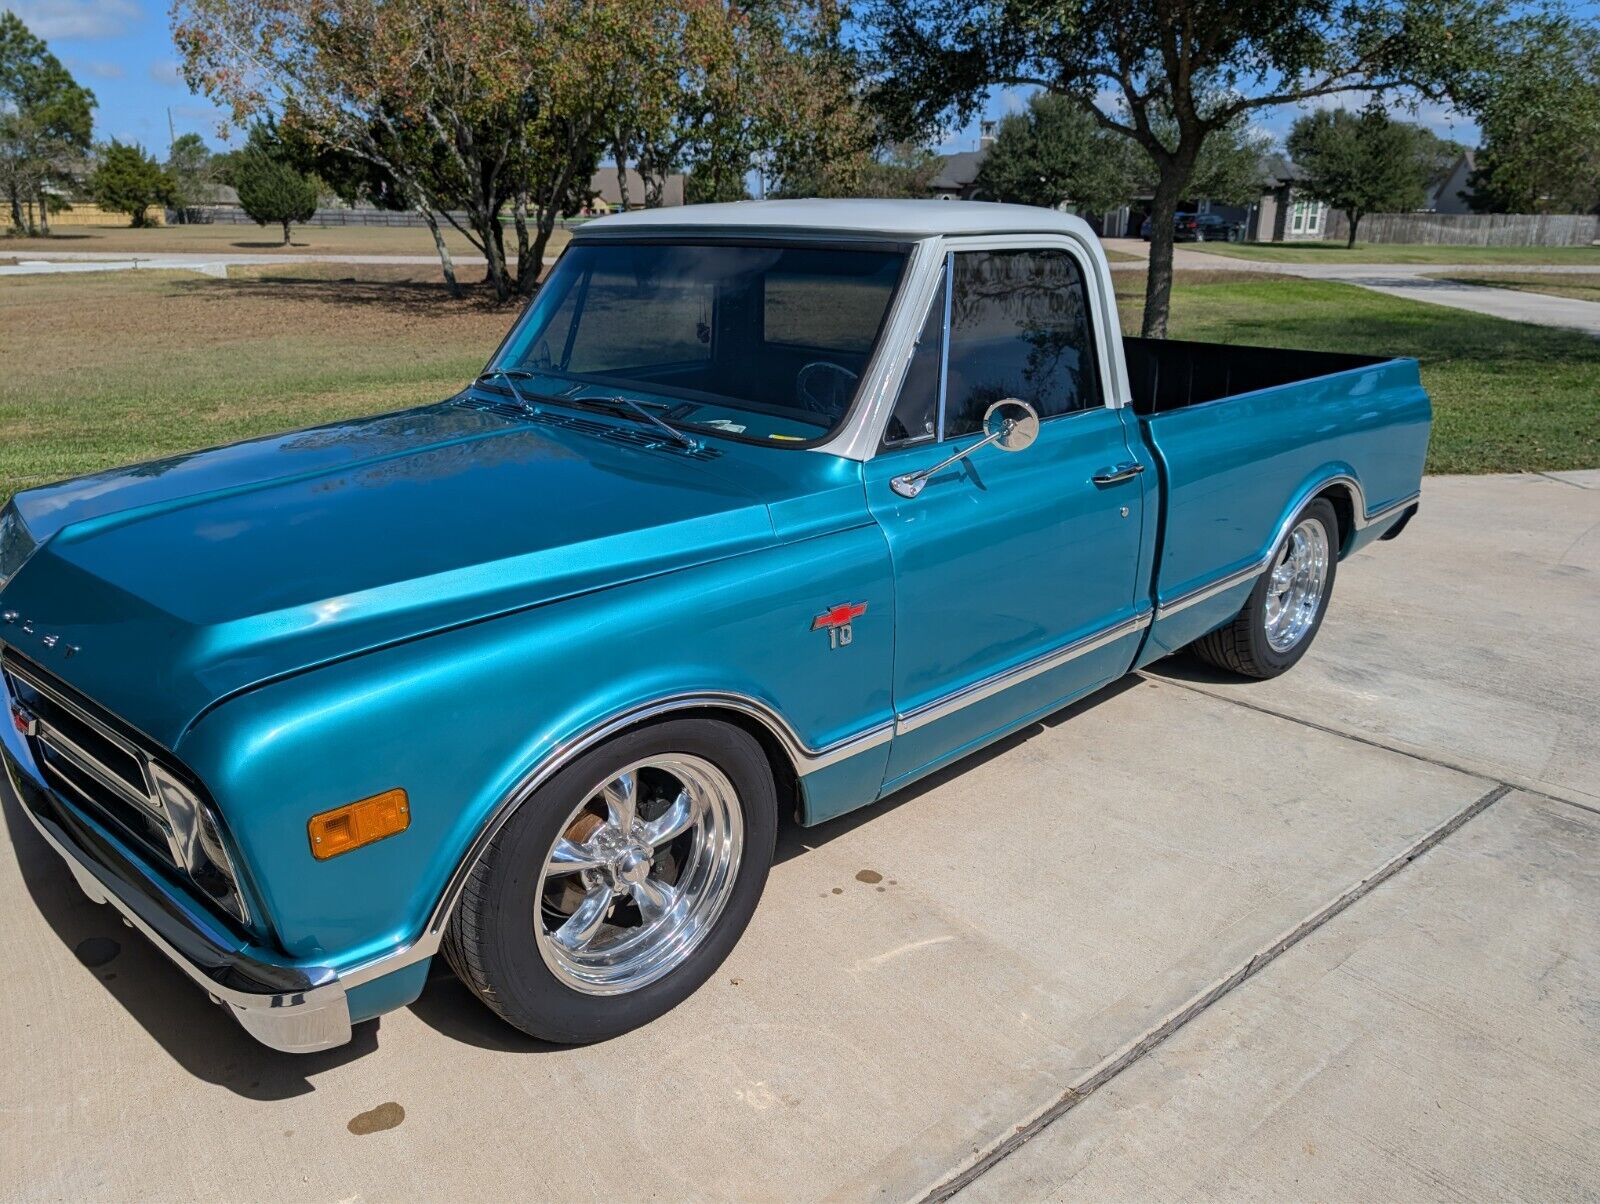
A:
x,y
1011,425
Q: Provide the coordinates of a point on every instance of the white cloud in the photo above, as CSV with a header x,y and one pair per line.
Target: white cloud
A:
x,y
166,72
51,19
98,70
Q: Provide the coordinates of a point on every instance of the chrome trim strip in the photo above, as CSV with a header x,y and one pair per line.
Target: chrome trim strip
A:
x,y
1206,592
59,743
944,341
941,707
15,667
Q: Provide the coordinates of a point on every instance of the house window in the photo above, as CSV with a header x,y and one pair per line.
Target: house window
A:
x,y
1308,217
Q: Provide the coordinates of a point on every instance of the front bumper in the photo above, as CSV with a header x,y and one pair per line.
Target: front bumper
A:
x,y
290,1007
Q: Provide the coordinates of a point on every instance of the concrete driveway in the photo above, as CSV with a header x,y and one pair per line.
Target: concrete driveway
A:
x,y
1335,935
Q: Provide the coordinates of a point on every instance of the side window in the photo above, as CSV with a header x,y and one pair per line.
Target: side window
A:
x,y
1019,327
916,412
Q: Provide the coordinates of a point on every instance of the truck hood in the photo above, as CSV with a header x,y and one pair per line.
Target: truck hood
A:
x,y
177,583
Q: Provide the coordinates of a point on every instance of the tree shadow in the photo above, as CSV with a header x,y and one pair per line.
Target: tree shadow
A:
x,y
195,1033
407,298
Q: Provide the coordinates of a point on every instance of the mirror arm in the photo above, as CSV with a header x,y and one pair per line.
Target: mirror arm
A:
x,y
910,484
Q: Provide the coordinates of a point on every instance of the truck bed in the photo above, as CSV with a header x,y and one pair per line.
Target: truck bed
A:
x,y
1242,436
1170,374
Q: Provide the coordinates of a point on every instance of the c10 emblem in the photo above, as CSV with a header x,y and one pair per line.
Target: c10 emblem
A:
x,y
836,620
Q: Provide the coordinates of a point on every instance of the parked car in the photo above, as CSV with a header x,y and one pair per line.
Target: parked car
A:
x,y
1199,227
760,509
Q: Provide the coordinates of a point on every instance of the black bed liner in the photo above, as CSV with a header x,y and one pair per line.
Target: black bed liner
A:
x,y
1170,374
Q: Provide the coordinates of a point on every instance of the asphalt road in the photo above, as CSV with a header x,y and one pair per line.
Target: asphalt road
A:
x,y
1332,936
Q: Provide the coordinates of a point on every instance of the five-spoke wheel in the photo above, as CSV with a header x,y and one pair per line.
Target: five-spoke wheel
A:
x,y
639,874
618,886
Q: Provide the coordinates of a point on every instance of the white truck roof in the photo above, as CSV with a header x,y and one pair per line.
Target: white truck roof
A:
x,y
900,218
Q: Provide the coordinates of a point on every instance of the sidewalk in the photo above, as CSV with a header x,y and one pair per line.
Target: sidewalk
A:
x,y
1413,281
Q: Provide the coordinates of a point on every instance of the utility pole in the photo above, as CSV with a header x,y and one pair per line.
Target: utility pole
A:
x,y
172,137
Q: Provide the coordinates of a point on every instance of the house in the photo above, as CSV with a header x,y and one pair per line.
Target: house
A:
x,y
1451,194
607,196
956,179
1282,214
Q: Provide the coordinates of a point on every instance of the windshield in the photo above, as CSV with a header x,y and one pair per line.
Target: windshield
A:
x,y
762,342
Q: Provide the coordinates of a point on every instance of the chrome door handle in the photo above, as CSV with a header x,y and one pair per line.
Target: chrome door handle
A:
x,y
1122,472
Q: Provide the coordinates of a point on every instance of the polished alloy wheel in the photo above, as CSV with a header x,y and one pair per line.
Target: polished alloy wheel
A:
x,y
1294,591
639,875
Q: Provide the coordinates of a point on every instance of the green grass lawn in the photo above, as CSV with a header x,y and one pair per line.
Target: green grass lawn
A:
x,y
1335,252
1507,396
109,369
1580,286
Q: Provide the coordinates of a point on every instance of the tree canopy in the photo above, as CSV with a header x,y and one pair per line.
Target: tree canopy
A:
x,y
1203,64
1540,116
128,180
272,190
45,121
1361,163
1055,153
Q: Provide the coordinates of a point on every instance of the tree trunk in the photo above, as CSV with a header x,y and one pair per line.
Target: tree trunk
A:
x,y
16,212
44,214
487,225
1355,220
286,232
622,177
527,267
1158,279
446,264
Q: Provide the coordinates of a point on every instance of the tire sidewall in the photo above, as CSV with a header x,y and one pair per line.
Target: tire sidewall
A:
x,y
1265,654
526,991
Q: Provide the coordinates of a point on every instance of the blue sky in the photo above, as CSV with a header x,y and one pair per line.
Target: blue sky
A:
x,y
122,49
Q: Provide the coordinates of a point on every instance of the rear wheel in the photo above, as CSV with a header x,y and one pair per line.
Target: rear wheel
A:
x,y
1284,612
621,885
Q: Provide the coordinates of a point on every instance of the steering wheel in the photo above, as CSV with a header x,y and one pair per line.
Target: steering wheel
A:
x,y
824,387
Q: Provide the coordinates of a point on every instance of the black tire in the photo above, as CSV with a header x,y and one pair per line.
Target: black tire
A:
x,y
1241,645
491,944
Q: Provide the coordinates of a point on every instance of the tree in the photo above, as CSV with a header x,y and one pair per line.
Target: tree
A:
x,y
45,122
1056,153
192,172
1540,117
1204,64
127,180
477,107
272,191
1360,163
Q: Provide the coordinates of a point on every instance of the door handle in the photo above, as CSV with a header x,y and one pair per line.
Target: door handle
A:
x,y
1122,472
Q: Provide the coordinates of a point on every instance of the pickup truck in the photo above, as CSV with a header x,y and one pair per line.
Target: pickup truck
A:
x,y
760,510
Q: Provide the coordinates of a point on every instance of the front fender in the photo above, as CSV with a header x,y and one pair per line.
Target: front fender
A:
x,y
461,719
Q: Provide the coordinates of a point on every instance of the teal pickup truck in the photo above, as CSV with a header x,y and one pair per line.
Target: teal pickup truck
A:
x,y
760,509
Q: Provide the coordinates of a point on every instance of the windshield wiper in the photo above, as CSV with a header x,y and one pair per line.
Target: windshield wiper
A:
x,y
619,403
510,376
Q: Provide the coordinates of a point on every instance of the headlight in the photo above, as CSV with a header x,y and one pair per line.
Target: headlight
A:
x,y
199,845
16,543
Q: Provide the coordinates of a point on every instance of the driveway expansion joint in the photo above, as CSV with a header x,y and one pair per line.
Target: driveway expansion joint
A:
x,y
1524,787
1113,1066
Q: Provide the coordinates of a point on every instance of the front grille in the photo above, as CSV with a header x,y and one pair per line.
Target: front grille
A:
x,y
88,759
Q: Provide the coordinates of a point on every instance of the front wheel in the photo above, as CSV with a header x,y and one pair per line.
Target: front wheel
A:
x,y
1284,612
621,885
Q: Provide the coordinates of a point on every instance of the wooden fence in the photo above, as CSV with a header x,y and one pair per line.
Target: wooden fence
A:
x,y
1472,229
230,215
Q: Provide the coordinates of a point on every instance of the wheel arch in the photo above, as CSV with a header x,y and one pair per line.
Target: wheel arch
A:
x,y
786,754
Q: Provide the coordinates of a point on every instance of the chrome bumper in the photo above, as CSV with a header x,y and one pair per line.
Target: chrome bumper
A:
x,y
293,1008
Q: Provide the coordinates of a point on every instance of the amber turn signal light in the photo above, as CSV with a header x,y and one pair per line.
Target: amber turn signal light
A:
x,y
355,824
